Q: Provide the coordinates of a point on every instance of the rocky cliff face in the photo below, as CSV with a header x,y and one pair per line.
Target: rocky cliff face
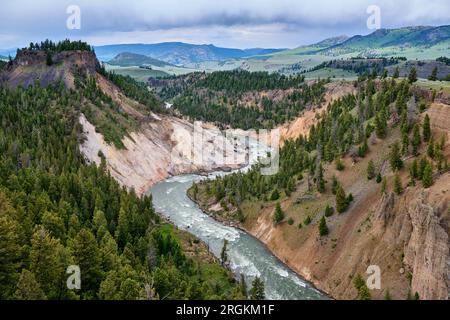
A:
x,y
163,147
417,223
427,251
160,147
30,67
406,236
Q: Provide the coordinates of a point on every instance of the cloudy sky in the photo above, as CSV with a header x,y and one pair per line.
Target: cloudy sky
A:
x,y
228,23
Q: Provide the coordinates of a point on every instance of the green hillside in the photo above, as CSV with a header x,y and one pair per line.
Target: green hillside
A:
x,y
127,59
423,43
402,38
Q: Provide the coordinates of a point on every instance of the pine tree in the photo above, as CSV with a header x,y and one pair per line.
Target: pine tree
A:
x,y
275,195
422,165
427,179
396,73
398,188
370,170
364,293
416,140
48,59
395,158
223,253
87,256
384,185
426,129
414,170
405,143
412,77
323,228
430,149
243,286
307,220
320,180
433,75
257,291
334,185
379,177
380,126
9,248
363,149
361,287
341,200
28,288
339,164
329,210
195,191
279,214
44,262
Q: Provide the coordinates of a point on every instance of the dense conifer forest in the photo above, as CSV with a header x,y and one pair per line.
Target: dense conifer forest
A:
x,y
239,98
344,129
56,210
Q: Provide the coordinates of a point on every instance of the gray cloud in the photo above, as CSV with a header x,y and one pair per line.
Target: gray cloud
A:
x,y
282,23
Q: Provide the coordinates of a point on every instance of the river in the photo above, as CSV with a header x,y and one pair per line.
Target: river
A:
x,y
246,254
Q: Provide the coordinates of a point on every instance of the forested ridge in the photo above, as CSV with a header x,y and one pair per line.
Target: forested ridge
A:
x,y
238,81
106,114
239,98
346,128
64,45
56,211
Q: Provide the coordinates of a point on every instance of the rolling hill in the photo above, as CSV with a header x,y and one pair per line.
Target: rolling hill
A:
x,y
408,37
178,53
421,42
128,59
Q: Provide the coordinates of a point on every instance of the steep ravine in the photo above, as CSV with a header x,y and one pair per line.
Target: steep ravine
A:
x,y
406,235
166,146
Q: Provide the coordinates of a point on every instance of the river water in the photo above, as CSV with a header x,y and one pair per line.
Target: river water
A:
x,y
246,254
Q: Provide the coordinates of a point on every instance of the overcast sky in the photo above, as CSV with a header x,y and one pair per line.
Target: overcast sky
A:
x,y
229,23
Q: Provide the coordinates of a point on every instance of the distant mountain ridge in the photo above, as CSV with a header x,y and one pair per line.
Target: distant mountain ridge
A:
x,y
179,53
330,42
128,59
421,36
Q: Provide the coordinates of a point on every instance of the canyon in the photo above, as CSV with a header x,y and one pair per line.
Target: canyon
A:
x,y
406,235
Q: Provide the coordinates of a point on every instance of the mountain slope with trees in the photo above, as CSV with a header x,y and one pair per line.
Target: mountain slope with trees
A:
x,y
372,168
127,59
241,99
58,210
179,53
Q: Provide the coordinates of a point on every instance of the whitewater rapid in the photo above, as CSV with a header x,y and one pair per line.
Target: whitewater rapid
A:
x,y
246,254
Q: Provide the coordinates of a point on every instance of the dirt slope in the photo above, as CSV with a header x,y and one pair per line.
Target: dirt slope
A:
x,y
163,147
302,124
30,66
